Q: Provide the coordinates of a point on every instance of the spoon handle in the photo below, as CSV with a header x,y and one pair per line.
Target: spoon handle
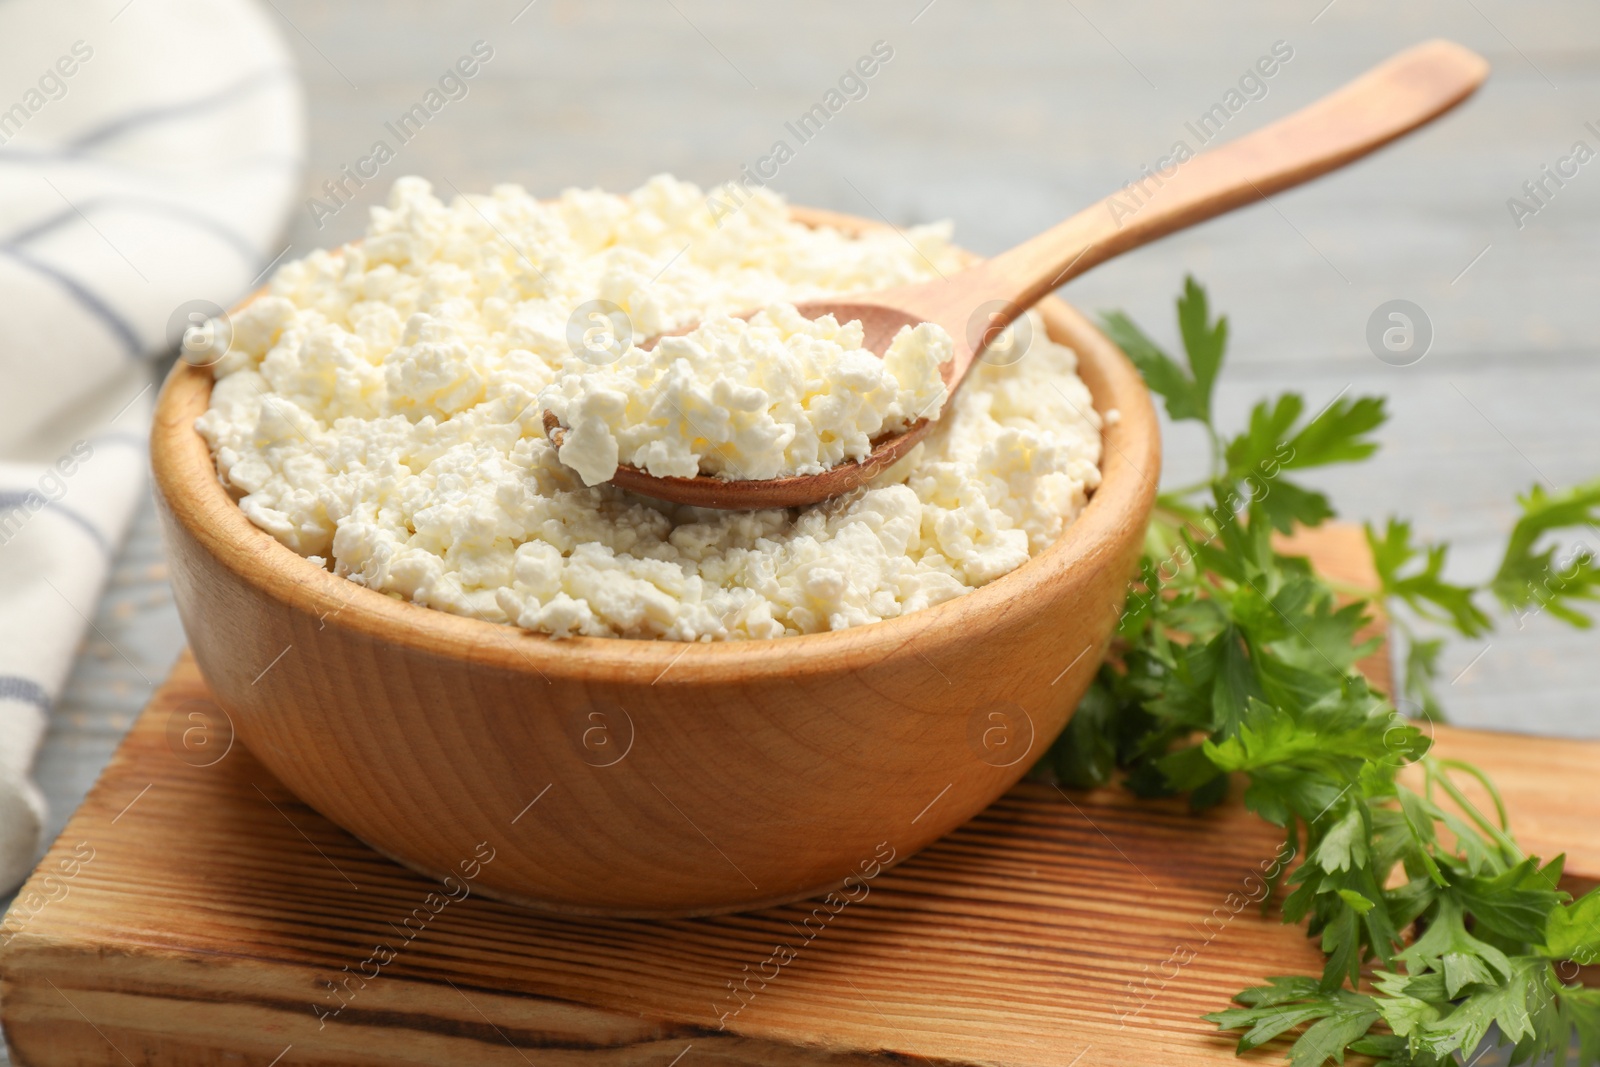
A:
x,y
1406,91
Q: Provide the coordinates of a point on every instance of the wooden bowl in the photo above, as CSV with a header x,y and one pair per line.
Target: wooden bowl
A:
x,y
639,777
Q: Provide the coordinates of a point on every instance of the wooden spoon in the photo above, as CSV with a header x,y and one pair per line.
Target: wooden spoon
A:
x,y
1406,91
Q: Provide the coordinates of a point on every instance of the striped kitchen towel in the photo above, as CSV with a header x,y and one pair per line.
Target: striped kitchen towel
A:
x,y
149,153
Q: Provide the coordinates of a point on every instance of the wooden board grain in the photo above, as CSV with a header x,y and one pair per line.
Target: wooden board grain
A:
x,y
195,913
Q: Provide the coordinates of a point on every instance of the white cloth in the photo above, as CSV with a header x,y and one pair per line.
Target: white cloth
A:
x,y
149,153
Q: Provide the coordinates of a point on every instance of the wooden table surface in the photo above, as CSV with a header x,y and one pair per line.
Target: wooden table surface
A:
x,y
1005,118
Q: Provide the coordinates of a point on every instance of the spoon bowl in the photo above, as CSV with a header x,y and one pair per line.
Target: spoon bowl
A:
x,y
880,322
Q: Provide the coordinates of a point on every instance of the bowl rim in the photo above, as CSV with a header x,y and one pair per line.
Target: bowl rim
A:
x,y
192,493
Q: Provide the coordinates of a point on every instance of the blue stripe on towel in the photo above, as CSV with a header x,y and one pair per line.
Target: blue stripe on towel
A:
x,y
26,690
138,204
24,154
12,498
118,126
83,295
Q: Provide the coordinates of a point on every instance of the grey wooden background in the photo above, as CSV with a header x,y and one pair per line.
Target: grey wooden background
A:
x,y
1006,117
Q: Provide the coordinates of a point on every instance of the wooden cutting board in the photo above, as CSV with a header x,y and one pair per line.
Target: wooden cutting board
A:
x,y
194,913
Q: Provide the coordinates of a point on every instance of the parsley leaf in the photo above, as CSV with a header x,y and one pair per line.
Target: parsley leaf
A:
x,y
1275,441
1527,578
1338,1019
1204,341
1424,590
1573,932
1338,433
1187,392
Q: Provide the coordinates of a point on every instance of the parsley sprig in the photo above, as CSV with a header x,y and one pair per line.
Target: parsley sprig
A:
x,y
1237,661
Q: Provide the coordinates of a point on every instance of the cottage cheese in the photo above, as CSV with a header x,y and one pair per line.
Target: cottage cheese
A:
x,y
379,412
777,395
